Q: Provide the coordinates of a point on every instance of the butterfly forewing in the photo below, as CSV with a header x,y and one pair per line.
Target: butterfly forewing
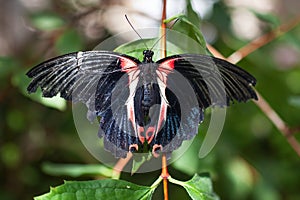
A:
x,y
215,81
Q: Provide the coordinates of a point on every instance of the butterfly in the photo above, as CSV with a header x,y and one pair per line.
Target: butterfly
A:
x,y
143,105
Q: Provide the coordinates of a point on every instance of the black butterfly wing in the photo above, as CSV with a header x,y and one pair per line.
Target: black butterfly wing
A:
x,y
107,83
100,80
74,72
180,123
215,82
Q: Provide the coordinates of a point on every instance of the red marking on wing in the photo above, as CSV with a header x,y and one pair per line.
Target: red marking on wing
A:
x,y
131,68
131,114
140,130
127,64
162,72
150,134
156,147
165,68
168,64
135,146
162,115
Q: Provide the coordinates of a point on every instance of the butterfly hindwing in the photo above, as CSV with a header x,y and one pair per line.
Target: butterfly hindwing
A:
x,y
183,113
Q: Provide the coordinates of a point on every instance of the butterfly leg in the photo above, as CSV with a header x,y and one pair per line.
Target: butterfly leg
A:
x,y
156,149
133,148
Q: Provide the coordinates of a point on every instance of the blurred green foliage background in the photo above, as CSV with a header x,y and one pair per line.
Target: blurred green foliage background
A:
x,y
252,159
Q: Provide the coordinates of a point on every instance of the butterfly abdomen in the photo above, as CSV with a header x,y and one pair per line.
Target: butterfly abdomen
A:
x,y
148,95
147,98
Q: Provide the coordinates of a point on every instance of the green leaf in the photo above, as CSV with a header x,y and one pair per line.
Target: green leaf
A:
x,y
267,17
108,189
137,47
191,15
69,41
47,21
186,27
76,170
199,188
185,37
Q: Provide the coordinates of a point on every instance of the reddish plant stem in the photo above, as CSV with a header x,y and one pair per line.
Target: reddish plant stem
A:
x,y
215,52
119,166
263,40
163,43
285,130
165,175
164,171
278,122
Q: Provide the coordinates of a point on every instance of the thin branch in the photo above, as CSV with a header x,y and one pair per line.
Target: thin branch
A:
x,y
163,43
164,171
119,166
215,52
165,175
271,114
279,123
263,40
286,131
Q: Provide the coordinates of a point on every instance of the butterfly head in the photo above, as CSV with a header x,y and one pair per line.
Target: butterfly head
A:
x,y
148,54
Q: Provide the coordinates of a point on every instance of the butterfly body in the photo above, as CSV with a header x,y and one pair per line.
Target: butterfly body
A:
x,y
143,104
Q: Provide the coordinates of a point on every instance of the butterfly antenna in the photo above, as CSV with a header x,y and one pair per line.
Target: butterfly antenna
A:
x,y
136,31
164,34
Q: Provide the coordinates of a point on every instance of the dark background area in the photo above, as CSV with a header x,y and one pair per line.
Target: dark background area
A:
x,y
252,159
